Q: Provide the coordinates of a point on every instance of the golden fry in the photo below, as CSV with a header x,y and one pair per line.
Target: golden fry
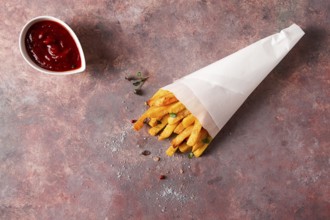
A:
x,y
168,130
183,135
184,147
179,128
178,117
199,151
165,100
194,134
199,142
171,150
159,112
139,123
160,93
153,122
177,107
152,112
154,130
189,120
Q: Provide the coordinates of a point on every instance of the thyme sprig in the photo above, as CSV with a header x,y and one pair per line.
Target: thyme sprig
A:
x,y
137,81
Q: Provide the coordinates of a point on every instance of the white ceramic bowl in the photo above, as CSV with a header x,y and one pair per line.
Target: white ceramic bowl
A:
x,y
28,59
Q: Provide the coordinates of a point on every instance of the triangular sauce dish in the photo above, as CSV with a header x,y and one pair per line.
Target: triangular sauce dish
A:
x,y
50,46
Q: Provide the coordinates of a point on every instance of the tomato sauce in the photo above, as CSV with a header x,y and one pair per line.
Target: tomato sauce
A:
x,y
52,47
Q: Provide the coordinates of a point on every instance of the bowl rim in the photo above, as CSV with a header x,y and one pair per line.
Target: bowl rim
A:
x,y
28,59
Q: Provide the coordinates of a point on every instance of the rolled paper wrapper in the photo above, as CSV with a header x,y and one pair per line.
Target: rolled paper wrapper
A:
x,y
214,93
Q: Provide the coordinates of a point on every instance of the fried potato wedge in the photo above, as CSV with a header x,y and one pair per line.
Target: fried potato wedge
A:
x,y
182,136
154,130
200,140
189,120
160,93
153,122
184,147
175,118
179,128
176,107
195,133
200,151
168,130
171,150
165,100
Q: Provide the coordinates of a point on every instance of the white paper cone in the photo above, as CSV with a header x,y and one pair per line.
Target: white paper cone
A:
x,y
214,93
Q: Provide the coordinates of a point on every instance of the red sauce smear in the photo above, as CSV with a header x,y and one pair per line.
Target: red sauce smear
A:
x,y
51,47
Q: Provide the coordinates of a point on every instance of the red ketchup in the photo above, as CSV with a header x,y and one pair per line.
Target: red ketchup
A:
x,y
52,47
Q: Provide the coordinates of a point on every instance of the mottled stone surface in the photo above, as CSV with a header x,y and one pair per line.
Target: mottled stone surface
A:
x,y
67,150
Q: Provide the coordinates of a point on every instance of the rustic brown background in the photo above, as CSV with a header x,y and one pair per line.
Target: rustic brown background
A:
x,y
67,150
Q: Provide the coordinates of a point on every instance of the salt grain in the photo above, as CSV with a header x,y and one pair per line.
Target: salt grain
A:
x,y
169,193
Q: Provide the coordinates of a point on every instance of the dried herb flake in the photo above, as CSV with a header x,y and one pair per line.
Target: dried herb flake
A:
x,y
137,81
205,140
173,115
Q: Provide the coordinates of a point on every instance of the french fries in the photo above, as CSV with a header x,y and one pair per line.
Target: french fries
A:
x,y
194,133
182,136
154,130
190,119
153,122
171,150
179,128
178,117
168,130
184,148
166,116
165,100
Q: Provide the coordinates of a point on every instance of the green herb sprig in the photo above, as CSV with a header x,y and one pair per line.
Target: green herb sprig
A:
x,y
206,141
137,81
173,115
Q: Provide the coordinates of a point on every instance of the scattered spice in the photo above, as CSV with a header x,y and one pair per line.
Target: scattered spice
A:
x,y
133,120
190,155
156,159
146,153
138,91
137,81
162,177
